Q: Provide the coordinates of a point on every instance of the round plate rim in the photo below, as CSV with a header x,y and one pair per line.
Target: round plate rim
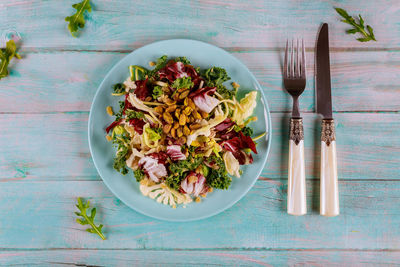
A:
x,y
219,210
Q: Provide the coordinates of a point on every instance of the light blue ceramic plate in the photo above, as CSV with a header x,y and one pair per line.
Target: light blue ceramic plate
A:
x,y
125,187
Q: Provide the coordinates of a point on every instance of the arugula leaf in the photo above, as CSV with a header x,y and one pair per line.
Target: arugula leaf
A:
x,y
184,60
368,33
88,219
157,91
183,83
139,174
77,20
215,76
131,114
6,54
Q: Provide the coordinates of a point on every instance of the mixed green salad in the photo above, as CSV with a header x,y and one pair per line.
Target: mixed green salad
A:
x,y
180,130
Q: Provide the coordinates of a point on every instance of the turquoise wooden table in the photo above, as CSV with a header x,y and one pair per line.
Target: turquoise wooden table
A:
x,y
45,162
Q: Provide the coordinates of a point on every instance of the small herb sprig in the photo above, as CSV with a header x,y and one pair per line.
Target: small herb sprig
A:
x,y
77,20
366,31
88,220
6,54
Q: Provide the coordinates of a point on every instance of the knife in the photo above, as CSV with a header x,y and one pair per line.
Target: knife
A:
x,y
329,193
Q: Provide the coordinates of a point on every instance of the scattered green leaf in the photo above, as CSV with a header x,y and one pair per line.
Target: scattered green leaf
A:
x,y
88,219
359,27
6,54
77,20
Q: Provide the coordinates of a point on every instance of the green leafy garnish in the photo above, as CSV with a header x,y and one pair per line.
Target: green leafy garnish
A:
x,y
157,92
225,92
119,88
132,114
77,20
139,174
183,83
247,131
119,115
184,60
6,54
154,134
366,31
179,169
121,139
88,220
161,62
215,76
218,178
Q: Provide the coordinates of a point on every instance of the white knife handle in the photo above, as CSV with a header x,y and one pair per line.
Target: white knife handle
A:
x,y
329,196
296,204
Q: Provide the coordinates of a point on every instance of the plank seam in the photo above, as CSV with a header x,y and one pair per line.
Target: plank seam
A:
x,y
229,49
204,249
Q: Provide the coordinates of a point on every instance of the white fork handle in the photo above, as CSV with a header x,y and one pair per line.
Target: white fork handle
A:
x,y
329,195
296,204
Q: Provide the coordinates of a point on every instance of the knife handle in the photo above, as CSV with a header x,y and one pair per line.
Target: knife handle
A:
x,y
329,195
296,203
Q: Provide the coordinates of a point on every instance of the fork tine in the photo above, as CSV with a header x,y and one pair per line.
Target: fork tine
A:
x,y
292,62
285,64
298,60
303,60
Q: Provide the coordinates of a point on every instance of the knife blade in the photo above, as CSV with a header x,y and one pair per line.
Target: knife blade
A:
x,y
329,192
323,75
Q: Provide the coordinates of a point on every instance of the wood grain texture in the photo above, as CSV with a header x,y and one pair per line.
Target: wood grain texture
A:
x,y
67,81
115,25
45,161
97,258
55,146
40,215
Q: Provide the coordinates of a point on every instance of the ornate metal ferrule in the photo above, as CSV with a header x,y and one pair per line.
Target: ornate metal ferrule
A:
x,y
296,130
328,131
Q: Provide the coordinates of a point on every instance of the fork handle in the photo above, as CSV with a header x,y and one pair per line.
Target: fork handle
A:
x,y
296,204
329,195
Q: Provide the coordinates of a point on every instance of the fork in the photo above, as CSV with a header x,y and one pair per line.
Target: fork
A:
x,y
294,80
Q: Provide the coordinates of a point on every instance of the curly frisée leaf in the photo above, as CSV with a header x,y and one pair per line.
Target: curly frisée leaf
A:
x,y
88,219
77,20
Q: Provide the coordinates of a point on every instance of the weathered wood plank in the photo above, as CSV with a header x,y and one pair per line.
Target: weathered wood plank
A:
x,y
54,146
261,24
199,258
43,82
41,215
